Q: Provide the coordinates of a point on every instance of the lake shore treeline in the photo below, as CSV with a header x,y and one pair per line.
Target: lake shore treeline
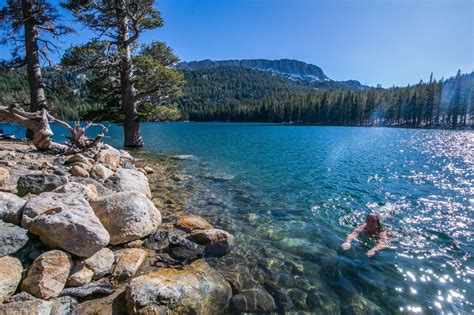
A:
x,y
247,95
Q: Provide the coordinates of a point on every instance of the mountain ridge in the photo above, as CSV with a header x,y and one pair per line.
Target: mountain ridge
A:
x,y
300,72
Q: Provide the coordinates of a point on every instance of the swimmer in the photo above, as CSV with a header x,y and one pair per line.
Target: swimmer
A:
x,y
373,228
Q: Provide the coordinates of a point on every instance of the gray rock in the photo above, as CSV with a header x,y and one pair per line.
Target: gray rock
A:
x,y
98,287
101,263
36,184
110,157
11,207
128,264
79,276
10,276
4,176
183,249
26,304
127,216
101,189
79,158
196,289
129,180
78,170
158,240
12,238
100,172
88,191
65,221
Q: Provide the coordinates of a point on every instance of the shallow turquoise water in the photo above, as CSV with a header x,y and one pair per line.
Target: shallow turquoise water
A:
x,y
292,193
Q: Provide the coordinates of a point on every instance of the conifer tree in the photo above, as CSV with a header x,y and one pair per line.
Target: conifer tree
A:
x,y
30,28
125,77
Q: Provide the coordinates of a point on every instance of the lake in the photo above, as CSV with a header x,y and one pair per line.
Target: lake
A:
x,y
291,194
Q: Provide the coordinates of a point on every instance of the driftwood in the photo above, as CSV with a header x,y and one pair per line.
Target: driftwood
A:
x,y
38,123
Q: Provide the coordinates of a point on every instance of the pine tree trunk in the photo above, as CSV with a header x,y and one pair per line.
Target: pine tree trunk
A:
x,y
33,68
131,125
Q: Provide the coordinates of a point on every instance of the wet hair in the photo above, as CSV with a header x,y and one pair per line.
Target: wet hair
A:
x,y
376,217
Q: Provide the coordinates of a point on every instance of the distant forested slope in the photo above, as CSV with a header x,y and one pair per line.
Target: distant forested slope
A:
x,y
238,94
68,95
229,93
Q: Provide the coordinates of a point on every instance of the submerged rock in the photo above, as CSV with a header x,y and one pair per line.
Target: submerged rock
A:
x,y
100,263
128,264
47,275
128,180
65,221
10,276
192,222
12,238
217,242
11,207
253,300
196,289
127,216
38,183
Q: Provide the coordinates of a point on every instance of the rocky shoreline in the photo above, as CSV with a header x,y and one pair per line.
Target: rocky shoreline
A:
x,y
85,234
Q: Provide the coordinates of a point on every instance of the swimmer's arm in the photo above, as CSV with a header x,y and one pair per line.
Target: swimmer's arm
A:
x,y
381,244
347,244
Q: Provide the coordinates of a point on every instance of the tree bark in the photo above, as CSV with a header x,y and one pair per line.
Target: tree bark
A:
x,y
33,68
131,124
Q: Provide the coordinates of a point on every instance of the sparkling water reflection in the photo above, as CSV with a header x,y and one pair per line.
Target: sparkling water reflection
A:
x,y
291,194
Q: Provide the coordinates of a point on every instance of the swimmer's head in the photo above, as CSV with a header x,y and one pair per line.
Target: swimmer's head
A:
x,y
372,222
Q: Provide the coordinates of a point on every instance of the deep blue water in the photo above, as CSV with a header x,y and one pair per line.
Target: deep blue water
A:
x,y
292,193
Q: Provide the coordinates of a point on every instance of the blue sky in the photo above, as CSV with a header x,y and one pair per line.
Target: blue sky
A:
x,y
392,42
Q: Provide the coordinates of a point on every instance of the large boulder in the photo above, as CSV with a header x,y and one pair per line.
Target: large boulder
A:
x,y
10,208
217,242
10,276
12,238
195,289
65,221
38,183
48,274
88,191
192,222
100,172
100,263
127,216
26,304
129,262
129,180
